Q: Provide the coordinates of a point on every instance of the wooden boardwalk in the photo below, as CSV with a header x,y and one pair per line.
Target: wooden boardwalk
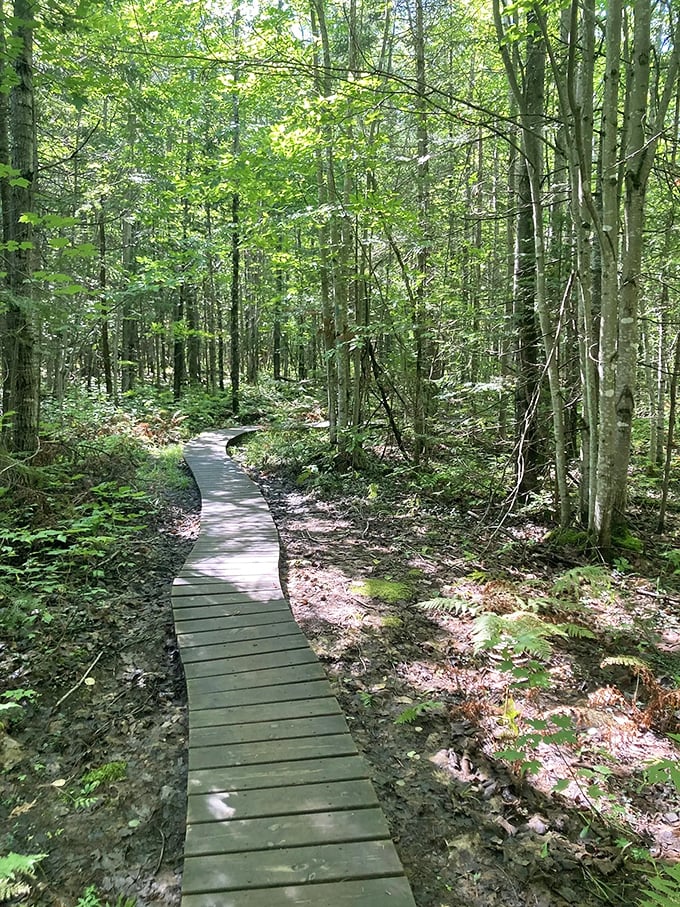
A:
x,y
281,811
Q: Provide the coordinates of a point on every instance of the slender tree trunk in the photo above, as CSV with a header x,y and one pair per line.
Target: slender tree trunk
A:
x,y
104,307
20,336
423,351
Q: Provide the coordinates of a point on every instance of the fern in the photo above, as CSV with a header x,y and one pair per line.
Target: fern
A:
x,y
413,712
627,661
449,606
576,631
571,581
519,633
16,871
664,890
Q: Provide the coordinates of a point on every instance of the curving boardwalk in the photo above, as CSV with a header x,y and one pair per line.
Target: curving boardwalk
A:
x,y
281,811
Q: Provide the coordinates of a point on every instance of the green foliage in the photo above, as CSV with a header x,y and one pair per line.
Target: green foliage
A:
x,y
82,797
664,771
91,898
622,537
105,774
16,873
13,707
664,888
556,730
672,558
594,578
445,605
518,633
412,713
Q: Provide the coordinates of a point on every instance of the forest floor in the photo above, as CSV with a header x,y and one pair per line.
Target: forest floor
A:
x,y
93,775
572,820
93,771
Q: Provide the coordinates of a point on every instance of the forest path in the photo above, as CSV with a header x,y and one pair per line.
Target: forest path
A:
x,y
281,810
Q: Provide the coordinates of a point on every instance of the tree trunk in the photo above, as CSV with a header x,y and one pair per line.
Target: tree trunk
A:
x,y
23,397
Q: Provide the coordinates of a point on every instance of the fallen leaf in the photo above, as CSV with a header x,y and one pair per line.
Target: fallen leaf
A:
x,y
22,808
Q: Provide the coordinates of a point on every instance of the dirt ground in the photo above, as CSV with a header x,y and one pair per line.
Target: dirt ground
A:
x,y
427,711
94,772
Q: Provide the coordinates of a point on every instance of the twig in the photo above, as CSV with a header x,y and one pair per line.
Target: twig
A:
x,y
80,682
659,596
162,853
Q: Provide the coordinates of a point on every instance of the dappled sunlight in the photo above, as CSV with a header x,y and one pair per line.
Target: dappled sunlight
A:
x,y
219,807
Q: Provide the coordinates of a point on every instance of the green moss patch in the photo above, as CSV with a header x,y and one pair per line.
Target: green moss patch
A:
x,y
386,590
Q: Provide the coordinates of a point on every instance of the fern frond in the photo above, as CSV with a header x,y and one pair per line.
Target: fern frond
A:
x,y
576,631
15,871
626,661
521,632
664,890
589,575
413,712
456,606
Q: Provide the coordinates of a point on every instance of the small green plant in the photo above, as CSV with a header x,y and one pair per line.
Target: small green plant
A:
x,y
17,871
90,898
13,707
664,887
672,558
105,774
594,578
664,771
445,605
413,712
367,699
91,781
557,730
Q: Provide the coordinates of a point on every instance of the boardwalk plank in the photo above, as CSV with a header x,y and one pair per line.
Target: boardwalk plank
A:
x,y
251,680
280,699
249,664
280,774
271,752
234,836
387,892
225,734
217,621
215,636
243,714
285,641
289,866
289,801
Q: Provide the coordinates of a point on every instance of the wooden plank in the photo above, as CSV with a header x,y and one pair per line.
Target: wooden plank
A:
x,y
214,606
284,700
270,711
254,731
250,664
217,592
247,681
290,866
232,623
289,801
238,835
215,636
228,781
243,585
271,752
383,892
244,648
